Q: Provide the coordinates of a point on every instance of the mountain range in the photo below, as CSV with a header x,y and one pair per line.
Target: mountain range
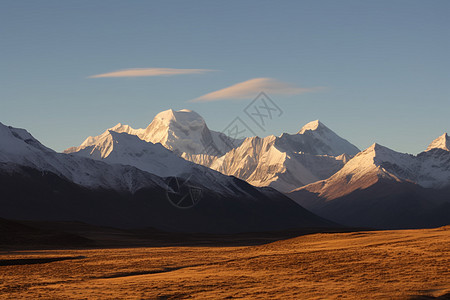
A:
x,y
251,184
38,183
285,162
383,188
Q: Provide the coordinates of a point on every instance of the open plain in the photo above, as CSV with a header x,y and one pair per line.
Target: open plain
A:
x,y
402,264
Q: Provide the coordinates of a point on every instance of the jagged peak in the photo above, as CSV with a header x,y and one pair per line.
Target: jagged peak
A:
x,y
377,147
374,150
442,142
123,134
120,128
383,153
119,137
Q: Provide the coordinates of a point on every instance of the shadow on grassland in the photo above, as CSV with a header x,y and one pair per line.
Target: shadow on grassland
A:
x,y
34,261
21,235
423,297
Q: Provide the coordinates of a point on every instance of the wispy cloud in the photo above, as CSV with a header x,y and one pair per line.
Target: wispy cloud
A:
x,y
250,88
143,72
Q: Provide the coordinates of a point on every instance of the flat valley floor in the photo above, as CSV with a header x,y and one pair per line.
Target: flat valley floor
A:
x,y
402,264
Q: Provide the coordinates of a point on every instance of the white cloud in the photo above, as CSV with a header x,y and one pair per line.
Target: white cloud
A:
x,y
143,72
251,88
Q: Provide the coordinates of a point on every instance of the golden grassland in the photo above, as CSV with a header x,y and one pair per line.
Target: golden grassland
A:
x,y
359,265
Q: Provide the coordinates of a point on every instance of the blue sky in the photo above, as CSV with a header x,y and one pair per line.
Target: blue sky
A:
x,y
372,71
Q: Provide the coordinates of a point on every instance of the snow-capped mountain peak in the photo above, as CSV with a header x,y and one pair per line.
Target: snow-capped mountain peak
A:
x,y
429,170
379,149
389,161
18,148
382,188
126,149
183,132
122,128
183,117
95,140
371,160
313,125
442,142
285,162
16,140
180,131
316,138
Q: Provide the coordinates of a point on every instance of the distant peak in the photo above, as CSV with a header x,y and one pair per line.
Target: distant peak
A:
x,y
121,135
444,136
378,148
179,116
122,128
166,114
314,125
442,142
119,125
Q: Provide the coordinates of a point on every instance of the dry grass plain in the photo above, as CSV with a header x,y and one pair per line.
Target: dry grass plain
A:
x,y
359,265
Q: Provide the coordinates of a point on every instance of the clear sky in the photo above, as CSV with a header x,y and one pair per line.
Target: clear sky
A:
x,y
372,71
